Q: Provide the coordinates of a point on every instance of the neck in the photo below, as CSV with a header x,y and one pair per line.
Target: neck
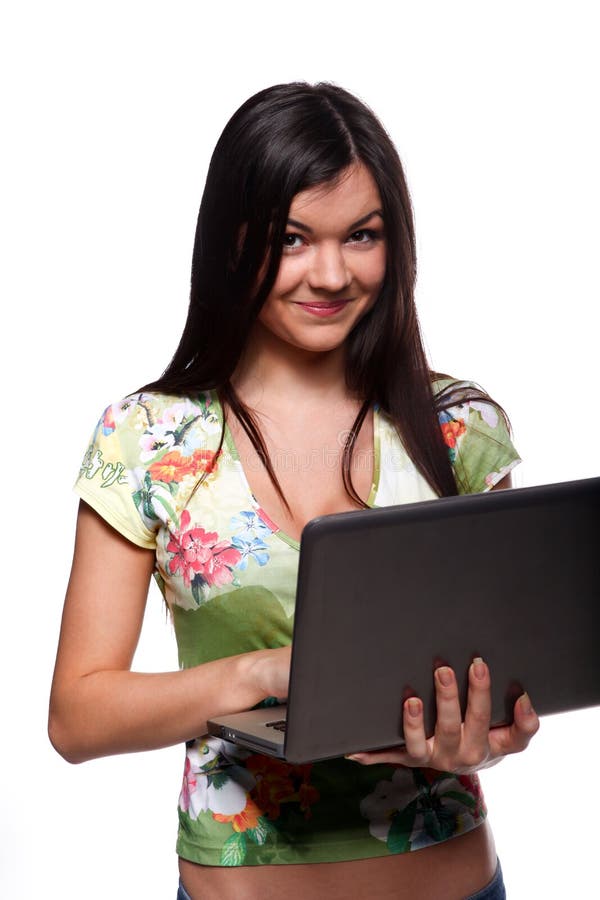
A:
x,y
272,370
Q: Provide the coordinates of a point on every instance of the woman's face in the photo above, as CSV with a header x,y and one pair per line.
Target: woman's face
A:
x,y
333,263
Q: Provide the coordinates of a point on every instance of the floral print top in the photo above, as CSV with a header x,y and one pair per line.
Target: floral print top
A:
x,y
228,575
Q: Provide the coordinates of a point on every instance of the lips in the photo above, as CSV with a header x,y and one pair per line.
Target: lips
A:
x,y
324,308
326,305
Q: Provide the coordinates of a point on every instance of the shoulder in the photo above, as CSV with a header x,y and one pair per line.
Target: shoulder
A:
x,y
476,431
449,390
145,455
457,399
160,413
168,436
145,425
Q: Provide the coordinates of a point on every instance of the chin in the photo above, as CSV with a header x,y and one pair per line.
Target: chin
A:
x,y
318,346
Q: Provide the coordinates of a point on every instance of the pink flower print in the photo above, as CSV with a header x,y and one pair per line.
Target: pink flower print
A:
x,y
154,440
189,786
108,421
473,786
216,568
200,557
494,477
211,783
268,522
114,415
174,415
191,549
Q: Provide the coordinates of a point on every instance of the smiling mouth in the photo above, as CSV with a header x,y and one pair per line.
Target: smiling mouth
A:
x,y
323,308
323,304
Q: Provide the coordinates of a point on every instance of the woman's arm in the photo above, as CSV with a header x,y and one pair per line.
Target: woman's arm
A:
x,y
98,706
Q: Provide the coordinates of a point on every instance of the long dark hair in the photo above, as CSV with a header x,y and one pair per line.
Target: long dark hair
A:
x,y
281,141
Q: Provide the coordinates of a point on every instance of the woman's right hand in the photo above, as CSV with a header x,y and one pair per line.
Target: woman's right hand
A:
x,y
271,672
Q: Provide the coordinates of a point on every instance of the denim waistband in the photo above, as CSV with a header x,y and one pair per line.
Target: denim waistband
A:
x,y
182,894
495,890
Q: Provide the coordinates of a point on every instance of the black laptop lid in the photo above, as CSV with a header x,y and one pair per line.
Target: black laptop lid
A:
x,y
386,595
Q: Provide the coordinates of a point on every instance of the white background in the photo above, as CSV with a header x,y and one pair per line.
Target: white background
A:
x,y
110,112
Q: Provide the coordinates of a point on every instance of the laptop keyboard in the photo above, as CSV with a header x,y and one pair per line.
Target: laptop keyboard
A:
x,y
278,726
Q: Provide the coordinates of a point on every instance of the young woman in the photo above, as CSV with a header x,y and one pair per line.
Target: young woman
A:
x,y
300,387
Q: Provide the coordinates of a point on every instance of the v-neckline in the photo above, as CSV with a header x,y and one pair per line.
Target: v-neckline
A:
x,y
259,510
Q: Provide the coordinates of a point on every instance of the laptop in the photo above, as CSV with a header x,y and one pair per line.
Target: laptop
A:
x,y
386,595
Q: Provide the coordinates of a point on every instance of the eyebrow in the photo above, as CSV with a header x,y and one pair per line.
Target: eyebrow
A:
x,y
352,227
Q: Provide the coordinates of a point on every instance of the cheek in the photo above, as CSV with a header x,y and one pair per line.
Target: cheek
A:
x,y
373,273
291,272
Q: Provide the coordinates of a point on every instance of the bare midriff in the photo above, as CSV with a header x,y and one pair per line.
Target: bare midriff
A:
x,y
452,870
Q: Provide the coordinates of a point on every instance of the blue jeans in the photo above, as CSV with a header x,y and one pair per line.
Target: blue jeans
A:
x,y
493,891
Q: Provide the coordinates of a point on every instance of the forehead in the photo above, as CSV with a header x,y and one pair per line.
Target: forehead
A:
x,y
346,199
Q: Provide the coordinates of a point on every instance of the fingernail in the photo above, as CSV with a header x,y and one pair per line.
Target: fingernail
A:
x,y
525,702
444,674
414,707
478,667
352,756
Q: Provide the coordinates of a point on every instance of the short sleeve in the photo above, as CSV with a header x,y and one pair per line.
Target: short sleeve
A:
x,y
111,477
478,439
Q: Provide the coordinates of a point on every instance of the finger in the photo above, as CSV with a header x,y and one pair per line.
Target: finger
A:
x,y
478,715
417,747
417,751
391,756
448,727
516,737
526,722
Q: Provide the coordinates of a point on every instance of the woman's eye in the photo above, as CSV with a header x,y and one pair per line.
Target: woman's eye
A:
x,y
363,236
292,242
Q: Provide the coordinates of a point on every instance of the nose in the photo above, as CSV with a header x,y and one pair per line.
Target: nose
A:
x,y
328,269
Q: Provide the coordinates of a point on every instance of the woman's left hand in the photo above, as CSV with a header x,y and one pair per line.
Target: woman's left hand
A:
x,y
458,747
